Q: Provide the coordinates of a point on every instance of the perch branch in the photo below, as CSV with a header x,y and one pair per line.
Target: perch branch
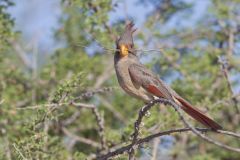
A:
x,y
197,131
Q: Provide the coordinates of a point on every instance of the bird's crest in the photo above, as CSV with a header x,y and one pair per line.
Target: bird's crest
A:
x,y
126,37
129,28
125,43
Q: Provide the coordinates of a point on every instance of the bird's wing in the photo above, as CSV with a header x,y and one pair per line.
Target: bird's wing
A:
x,y
145,78
142,76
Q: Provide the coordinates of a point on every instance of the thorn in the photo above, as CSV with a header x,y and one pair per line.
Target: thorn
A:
x,y
148,114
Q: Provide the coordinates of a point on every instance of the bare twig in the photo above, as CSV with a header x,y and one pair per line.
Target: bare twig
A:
x,y
8,151
198,133
155,149
19,152
107,73
81,139
22,103
41,106
22,54
108,50
99,119
148,138
100,122
226,100
126,148
71,119
111,108
89,94
229,133
224,69
231,38
34,71
83,105
46,138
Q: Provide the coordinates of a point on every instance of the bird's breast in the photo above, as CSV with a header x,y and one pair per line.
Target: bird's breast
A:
x,y
123,75
125,81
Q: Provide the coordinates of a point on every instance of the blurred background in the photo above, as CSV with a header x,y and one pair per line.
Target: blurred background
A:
x,y
53,53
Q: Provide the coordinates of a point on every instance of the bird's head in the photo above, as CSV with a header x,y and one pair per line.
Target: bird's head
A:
x,y
125,43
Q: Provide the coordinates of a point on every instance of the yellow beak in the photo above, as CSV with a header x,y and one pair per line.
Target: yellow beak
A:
x,y
123,50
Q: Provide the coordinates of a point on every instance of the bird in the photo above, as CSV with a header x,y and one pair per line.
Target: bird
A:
x,y
140,82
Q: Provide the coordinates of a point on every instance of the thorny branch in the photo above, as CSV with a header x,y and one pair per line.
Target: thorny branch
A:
x,y
99,118
176,107
19,152
137,124
87,94
105,152
197,131
100,122
146,139
126,148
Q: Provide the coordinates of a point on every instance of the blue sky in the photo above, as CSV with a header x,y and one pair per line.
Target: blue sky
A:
x,y
37,19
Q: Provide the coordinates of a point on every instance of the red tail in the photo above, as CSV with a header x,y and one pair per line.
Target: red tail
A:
x,y
198,115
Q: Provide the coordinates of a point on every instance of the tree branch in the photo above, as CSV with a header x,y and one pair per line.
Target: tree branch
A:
x,y
176,107
100,122
137,123
197,131
224,68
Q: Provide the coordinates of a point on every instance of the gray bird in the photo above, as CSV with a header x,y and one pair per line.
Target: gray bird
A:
x,y
141,83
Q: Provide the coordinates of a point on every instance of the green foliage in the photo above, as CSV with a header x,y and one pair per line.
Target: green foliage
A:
x,y
6,23
63,91
32,121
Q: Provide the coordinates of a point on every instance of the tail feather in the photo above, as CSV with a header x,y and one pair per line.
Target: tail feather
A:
x,y
198,115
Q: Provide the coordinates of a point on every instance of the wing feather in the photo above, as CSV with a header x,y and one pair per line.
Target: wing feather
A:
x,y
149,81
